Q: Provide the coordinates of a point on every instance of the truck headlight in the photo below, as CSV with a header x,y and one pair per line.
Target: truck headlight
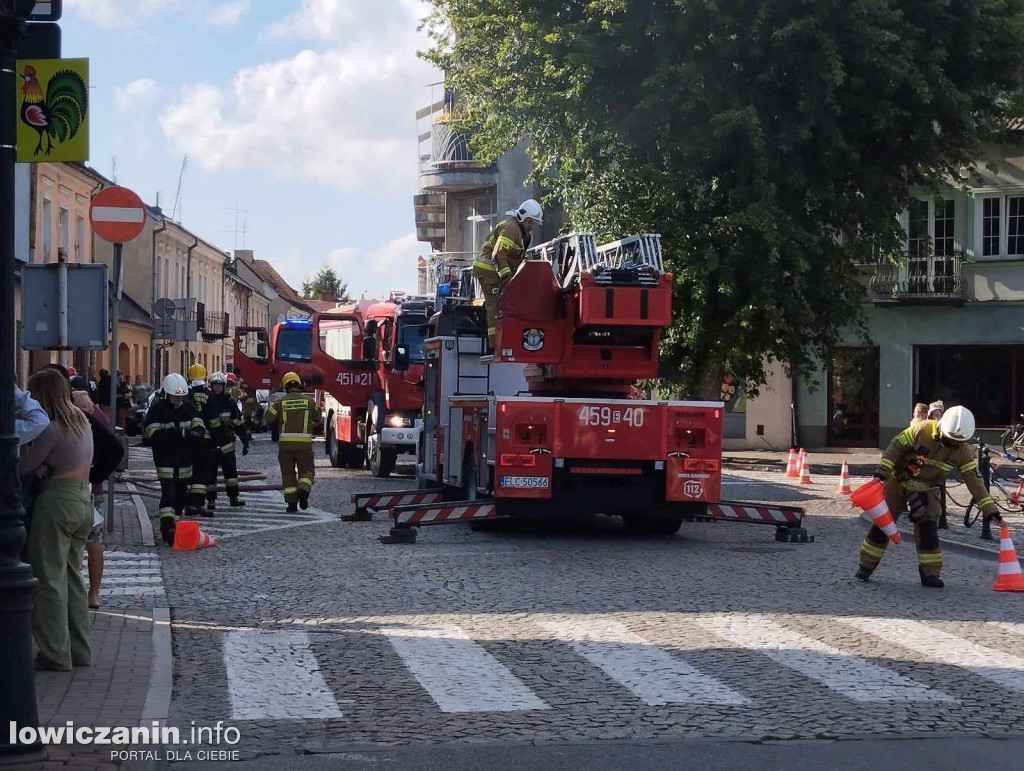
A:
x,y
397,421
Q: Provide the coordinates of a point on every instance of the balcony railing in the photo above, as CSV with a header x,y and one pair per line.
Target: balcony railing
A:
x,y
448,149
922,278
214,326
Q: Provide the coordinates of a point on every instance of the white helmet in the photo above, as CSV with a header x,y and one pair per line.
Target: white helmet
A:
x,y
218,377
175,385
957,424
528,209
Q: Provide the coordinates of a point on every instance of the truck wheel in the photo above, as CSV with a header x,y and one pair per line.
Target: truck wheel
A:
x,y
641,524
335,451
381,459
469,475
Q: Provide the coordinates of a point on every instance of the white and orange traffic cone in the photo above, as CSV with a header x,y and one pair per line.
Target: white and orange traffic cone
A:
x,y
805,472
188,536
844,480
1009,577
870,499
791,467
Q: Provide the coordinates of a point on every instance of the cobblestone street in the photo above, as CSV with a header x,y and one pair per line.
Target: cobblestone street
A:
x,y
309,635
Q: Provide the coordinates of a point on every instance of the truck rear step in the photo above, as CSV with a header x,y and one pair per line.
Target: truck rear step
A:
x,y
367,503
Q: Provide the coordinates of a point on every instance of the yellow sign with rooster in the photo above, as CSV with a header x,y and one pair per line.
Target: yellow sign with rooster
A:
x,y
53,110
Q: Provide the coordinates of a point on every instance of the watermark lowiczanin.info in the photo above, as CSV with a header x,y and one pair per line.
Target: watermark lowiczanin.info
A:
x,y
123,736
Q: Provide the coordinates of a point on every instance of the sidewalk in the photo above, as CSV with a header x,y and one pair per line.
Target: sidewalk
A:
x,y
130,677
861,460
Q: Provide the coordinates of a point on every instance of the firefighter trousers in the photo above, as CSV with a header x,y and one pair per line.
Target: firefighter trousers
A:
x,y
172,497
203,486
491,286
297,470
925,507
224,459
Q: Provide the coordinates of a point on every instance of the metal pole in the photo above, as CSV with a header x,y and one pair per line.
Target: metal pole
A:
x,y
18,704
114,342
62,307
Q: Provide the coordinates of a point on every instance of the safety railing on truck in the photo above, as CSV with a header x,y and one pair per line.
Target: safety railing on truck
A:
x,y
634,259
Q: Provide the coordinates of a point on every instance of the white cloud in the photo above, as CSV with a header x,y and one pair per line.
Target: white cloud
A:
x,y
345,19
119,13
344,117
226,13
136,93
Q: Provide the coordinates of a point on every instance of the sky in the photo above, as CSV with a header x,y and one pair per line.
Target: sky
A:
x,y
299,112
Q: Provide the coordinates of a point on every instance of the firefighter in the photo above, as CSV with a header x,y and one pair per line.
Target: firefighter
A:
x,y
222,412
247,396
299,419
501,253
203,487
913,468
171,428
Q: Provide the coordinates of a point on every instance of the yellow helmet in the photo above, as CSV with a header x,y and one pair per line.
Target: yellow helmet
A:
x,y
291,378
197,372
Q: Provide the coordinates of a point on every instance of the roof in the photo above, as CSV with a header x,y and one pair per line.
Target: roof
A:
x,y
266,271
130,311
322,306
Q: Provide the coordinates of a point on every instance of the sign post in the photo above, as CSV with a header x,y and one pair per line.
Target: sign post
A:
x,y
117,215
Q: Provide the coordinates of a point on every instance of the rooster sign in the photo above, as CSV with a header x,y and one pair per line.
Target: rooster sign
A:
x,y
53,110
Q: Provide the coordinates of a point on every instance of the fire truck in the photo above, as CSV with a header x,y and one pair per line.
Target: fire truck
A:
x,y
346,357
545,426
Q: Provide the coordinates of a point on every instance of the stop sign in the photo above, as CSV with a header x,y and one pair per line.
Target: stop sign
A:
x,y
117,215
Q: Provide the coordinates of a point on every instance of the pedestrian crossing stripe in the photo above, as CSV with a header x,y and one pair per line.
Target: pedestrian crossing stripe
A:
x,y
129,575
461,675
264,511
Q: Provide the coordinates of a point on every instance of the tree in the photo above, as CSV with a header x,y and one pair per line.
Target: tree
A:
x,y
324,281
770,142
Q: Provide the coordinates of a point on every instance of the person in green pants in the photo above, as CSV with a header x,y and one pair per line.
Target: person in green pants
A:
x,y
61,520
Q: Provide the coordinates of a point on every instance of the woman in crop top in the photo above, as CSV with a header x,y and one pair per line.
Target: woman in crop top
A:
x,y
61,520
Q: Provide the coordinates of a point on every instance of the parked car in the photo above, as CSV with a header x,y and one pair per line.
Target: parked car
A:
x,y
135,418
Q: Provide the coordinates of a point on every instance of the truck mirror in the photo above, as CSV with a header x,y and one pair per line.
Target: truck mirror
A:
x,y
370,347
401,358
261,351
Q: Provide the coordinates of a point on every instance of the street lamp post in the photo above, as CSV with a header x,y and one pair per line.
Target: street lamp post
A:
x,y
18,704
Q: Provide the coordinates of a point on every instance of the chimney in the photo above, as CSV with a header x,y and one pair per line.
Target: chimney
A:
x,y
245,255
328,297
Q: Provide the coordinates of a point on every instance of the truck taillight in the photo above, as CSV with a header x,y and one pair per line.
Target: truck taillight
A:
x,y
700,464
514,459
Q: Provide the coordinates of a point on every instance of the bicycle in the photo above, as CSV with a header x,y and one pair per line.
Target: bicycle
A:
x,y
1002,485
1013,440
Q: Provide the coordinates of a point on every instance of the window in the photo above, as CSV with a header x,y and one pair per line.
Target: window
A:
x,y
943,239
47,228
63,223
414,335
294,344
1015,225
990,227
79,239
950,373
479,215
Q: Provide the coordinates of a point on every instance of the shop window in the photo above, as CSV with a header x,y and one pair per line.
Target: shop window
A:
x,y
952,373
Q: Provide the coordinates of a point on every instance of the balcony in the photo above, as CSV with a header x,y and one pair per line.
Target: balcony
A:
x,y
921,279
213,326
429,211
448,165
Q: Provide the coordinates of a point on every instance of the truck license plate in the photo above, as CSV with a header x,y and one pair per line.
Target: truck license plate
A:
x,y
523,482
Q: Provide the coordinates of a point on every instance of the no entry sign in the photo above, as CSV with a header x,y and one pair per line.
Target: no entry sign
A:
x,y
117,215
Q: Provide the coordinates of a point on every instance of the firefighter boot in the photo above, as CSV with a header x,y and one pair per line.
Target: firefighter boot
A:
x,y
235,501
198,511
862,574
932,582
943,524
292,507
303,499
167,529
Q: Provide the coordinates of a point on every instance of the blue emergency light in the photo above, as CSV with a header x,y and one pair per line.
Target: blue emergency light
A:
x,y
444,290
299,322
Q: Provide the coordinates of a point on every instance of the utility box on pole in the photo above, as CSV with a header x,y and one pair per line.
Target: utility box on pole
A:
x,y
87,316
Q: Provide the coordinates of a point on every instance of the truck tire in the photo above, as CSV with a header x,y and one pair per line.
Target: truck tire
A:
x,y
380,459
644,524
469,475
336,451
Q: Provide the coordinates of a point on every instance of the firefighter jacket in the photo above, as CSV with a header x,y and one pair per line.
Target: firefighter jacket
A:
x,y
917,459
172,432
299,418
503,249
199,396
224,421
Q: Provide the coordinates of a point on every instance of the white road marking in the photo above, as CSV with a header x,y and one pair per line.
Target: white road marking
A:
x,y
852,676
129,591
129,580
1003,669
654,675
274,675
459,674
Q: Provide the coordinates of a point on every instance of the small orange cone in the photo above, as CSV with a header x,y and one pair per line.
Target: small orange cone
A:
x,y
844,480
188,536
870,498
791,469
805,472
1009,577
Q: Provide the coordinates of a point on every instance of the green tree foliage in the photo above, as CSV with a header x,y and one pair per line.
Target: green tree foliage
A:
x,y
770,142
327,281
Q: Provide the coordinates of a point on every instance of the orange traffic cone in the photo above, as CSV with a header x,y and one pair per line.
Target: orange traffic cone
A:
x,y
844,480
791,468
1009,577
805,472
870,499
188,536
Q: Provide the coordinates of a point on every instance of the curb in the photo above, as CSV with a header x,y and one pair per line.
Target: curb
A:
x,y
143,514
158,697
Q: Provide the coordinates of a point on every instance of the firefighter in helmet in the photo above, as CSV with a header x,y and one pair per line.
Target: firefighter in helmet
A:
x,y
172,428
913,468
298,418
223,414
204,472
501,253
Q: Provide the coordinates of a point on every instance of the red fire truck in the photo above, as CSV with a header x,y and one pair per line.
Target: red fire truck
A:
x,y
347,358
545,427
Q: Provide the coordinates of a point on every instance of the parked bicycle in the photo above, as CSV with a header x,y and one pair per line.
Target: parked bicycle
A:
x,y
1007,491
1013,441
